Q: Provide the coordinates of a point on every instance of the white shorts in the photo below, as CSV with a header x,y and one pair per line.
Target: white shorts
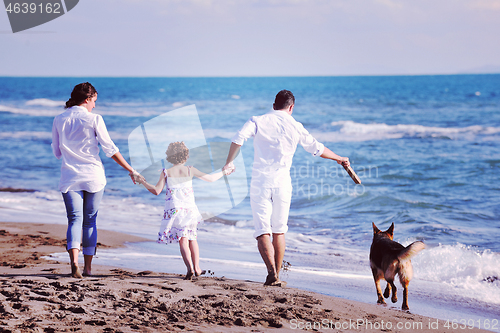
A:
x,y
270,208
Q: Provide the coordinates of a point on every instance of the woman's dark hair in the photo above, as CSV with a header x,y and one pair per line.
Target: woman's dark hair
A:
x,y
283,100
80,94
177,152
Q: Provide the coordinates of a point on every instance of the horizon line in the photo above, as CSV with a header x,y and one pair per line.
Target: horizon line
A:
x,y
246,76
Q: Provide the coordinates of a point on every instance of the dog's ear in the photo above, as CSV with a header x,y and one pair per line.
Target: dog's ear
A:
x,y
390,231
375,229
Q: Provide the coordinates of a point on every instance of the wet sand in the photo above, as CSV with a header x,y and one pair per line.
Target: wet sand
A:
x,y
38,295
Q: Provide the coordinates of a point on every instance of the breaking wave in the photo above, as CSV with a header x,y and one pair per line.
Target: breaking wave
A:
x,y
352,131
45,102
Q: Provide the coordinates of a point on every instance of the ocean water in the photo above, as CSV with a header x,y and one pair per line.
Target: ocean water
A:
x,y
425,147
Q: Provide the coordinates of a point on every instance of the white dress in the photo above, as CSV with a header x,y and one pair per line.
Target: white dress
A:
x,y
181,216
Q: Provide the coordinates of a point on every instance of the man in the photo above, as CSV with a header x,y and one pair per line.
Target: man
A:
x,y
276,135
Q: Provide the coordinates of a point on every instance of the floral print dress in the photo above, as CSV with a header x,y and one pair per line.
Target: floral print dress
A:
x,y
181,216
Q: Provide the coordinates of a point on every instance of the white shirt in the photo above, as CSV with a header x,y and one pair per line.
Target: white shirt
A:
x,y
75,135
276,135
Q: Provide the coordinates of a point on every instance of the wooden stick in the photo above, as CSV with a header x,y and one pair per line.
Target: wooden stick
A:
x,y
353,174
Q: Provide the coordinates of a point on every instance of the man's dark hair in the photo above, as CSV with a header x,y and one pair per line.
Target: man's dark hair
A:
x,y
283,100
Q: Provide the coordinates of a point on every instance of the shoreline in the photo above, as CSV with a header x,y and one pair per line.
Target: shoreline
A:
x,y
39,294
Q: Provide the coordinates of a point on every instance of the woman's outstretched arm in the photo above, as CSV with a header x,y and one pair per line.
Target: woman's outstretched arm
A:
x,y
136,177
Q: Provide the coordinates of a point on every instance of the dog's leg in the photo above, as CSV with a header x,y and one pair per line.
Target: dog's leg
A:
x,y
389,275
379,292
387,291
405,276
405,298
377,276
394,298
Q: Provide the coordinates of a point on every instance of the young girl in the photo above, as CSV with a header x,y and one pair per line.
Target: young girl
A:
x,y
181,216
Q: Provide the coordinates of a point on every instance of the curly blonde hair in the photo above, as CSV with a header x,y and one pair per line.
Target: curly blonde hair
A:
x,y
177,152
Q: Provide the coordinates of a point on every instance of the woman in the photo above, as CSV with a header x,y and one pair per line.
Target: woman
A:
x,y
75,137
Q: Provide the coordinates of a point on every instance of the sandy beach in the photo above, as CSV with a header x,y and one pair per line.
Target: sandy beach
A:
x,y
38,295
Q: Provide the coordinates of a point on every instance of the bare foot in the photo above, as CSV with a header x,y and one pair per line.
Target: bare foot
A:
x,y
86,272
203,272
278,283
272,280
75,272
189,276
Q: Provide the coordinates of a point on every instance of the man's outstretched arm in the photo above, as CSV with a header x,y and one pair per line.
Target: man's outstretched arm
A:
x,y
328,154
233,152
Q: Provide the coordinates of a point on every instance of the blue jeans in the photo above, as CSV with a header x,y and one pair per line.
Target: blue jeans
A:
x,y
81,208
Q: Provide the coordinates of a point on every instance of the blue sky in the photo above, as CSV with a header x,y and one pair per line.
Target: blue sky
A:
x,y
258,38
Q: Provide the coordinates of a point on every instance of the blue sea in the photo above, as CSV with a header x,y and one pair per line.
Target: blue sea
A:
x,y
427,149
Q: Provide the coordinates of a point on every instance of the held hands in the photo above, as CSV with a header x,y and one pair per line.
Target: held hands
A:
x,y
136,177
228,169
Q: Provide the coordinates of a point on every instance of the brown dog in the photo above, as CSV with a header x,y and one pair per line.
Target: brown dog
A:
x,y
388,258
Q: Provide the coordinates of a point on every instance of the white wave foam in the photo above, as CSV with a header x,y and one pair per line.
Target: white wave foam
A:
x,y
129,109
48,135
30,112
45,102
352,131
25,135
472,273
5,108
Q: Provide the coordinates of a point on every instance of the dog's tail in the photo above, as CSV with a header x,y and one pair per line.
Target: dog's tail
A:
x,y
411,250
